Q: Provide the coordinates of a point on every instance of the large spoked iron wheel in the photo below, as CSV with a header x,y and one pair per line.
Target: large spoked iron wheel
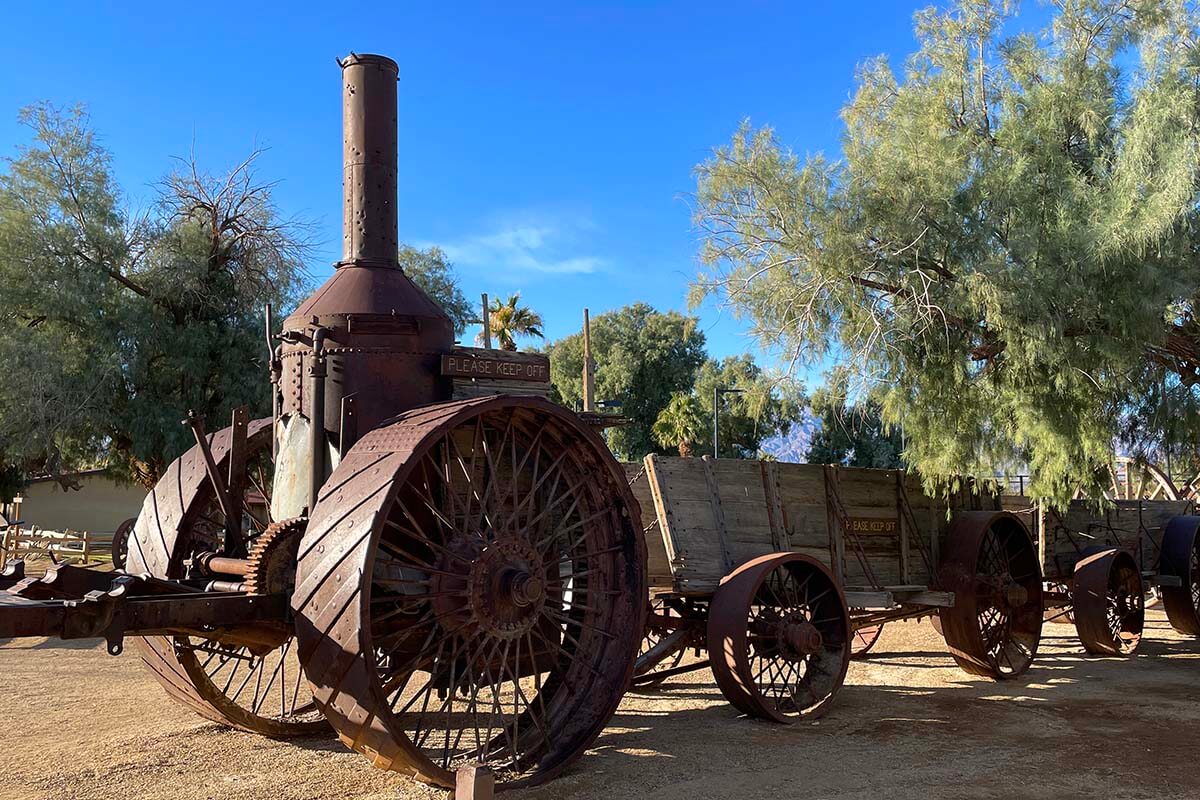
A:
x,y
779,637
991,565
261,688
471,589
1109,602
1181,560
864,639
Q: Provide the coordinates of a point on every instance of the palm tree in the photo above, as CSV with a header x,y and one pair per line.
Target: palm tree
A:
x,y
507,321
678,425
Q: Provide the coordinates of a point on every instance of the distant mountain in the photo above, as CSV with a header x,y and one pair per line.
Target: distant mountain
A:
x,y
794,446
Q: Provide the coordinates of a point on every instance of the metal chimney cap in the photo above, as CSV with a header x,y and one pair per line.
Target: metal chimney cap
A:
x,y
368,58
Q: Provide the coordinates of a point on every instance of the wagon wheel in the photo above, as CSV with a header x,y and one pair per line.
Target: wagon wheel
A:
x,y
258,689
1181,559
120,542
863,639
1109,602
664,644
472,590
991,565
1130,479
779,637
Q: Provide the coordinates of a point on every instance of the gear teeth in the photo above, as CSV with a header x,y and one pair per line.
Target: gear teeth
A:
x,y
273,543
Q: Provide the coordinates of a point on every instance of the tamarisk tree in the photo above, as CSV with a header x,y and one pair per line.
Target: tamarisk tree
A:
x,y
116,323
1006,255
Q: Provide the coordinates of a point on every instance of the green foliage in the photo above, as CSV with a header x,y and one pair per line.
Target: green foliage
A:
x,y
117,324
853,435
643,357
679,424
433,272
508,320
1005,256
763,408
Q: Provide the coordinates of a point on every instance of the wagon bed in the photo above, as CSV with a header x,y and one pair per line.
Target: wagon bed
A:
x,y
892,551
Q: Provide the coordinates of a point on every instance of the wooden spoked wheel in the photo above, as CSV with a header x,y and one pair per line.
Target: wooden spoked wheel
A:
x,y
1109,602
1130,479
257,688
663,647
991,565
863,639
471,589
1181,560
779,637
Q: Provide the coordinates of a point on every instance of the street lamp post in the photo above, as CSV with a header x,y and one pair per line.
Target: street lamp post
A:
x,y
717,392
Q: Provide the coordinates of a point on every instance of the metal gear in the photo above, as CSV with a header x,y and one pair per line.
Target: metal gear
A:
x,y
273,557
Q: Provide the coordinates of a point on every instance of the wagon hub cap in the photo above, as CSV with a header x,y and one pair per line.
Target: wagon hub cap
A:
x,y
1016,595
801,638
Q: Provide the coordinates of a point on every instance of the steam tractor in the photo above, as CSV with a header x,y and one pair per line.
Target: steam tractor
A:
x,y
416,548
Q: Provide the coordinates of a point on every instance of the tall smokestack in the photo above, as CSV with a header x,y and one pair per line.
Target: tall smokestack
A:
x,y
369,234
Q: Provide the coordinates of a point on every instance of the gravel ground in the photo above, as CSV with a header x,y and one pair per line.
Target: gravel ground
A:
x,y
908,724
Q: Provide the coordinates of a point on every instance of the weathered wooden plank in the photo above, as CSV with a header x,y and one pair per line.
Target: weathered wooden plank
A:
x,y
873,599
776,517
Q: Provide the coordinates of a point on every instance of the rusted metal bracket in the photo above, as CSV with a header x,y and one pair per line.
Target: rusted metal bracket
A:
x,y
134,606
236,483
220,488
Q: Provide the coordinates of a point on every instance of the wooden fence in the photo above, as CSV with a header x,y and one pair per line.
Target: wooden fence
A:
x,y
83,547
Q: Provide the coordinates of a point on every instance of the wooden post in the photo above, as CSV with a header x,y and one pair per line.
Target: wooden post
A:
x,y
474,782
487,324
87,541
589,372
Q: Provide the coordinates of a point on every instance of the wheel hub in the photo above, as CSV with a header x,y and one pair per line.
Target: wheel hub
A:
x,y
495,588
1015,595
798,637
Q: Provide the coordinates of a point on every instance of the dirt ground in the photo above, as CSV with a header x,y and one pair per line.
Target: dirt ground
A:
x,y
78,723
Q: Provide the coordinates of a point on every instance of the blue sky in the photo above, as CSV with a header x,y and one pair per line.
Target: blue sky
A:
x,y
548,147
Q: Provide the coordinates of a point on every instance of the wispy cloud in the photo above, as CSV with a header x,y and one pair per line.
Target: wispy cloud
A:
x,y
527,244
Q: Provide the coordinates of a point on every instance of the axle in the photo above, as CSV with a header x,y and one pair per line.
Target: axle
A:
x,y
74,603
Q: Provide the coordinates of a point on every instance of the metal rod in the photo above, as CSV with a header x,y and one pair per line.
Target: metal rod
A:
x,y
486,319
589,374
223,565
717,392
210,465
654,677
318,441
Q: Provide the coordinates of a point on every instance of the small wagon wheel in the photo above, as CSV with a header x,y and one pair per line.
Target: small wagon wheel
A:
x,y
471,589
259,689
1181,560
1109,602
663,645
120,542
991,565
779,637
863,639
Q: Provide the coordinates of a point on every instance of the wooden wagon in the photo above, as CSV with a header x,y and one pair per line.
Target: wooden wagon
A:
x,y
780,572
1101,563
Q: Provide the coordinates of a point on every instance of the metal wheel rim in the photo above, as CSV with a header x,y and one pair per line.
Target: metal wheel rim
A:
x,y
1109,602
863,639
1181,559
229,684
746,619
412,567
990,560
